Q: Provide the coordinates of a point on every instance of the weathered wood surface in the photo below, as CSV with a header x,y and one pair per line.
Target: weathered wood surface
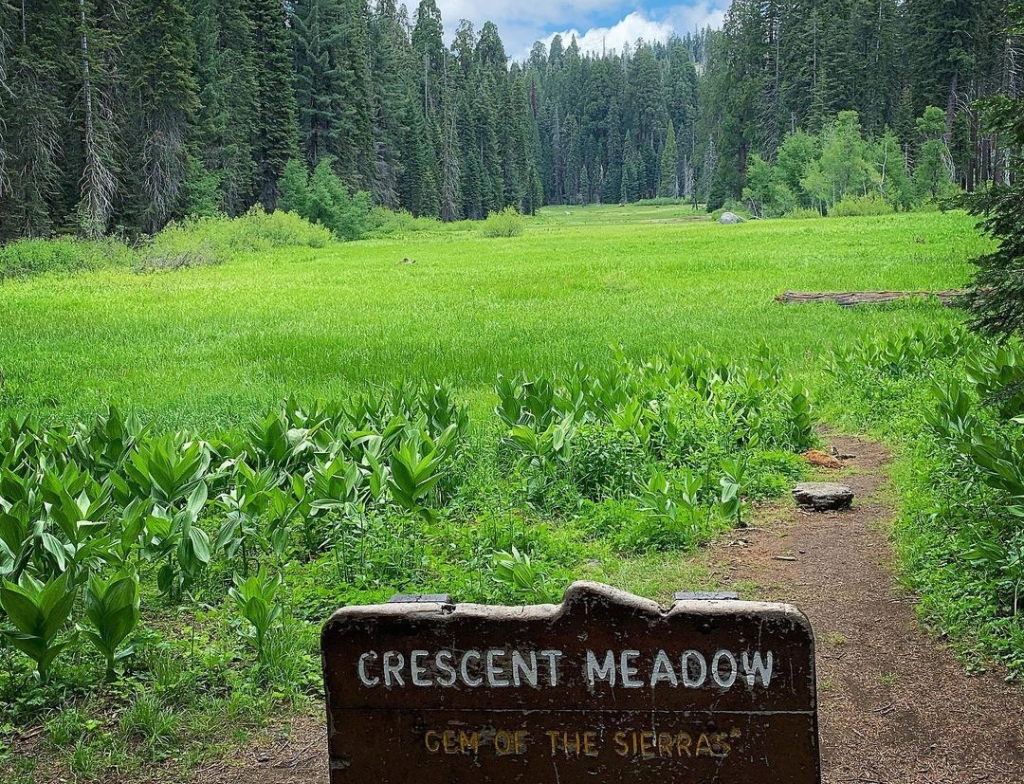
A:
x,y
849,299
604,688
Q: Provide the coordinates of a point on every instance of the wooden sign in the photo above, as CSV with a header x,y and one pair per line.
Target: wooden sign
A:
x,y
606,687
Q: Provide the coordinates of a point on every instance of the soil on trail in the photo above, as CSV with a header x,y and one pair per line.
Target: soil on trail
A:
x,y
894,707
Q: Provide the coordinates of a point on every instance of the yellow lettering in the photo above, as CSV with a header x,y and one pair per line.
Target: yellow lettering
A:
x,y
430,740
704,746
469,741
621,747
648,752
683,744
553,734
450,741
590,744
503,743
520,741
665,741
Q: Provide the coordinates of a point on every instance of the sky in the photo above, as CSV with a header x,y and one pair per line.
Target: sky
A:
x,y
610,23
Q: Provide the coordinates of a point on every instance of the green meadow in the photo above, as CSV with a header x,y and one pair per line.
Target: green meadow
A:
x,y
199,465
211,345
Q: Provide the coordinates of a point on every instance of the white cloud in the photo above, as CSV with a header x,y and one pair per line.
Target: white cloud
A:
x,y
521,22
618,36
687,18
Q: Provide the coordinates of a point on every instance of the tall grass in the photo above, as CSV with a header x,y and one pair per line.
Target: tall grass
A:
x,y
64,255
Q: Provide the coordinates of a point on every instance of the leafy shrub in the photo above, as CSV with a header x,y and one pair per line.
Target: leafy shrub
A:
x,y
802,213
860,206
389,223
664,201
203,241
507,223
325,200
606,462
36,257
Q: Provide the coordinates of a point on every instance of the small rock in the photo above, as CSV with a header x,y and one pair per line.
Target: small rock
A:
x,y
823,496
730,219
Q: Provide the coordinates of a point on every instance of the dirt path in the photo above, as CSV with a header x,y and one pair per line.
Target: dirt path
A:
x,y
894,707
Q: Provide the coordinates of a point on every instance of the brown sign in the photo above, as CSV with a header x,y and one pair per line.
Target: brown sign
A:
x,y
606,687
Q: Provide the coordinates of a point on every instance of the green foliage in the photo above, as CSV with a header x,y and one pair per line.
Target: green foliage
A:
x,y
36,257
256,600
996,297
932,177
324,199
38,611
112,608
516,570
204,241
952,399
507,223
859,206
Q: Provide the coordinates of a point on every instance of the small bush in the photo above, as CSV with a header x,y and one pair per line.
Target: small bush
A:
x,y
664,201
507,223
389,223
860,206
325,200
202,241
605,462
65,255
802,213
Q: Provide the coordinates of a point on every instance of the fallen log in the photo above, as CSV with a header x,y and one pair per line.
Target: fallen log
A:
x,y
849,299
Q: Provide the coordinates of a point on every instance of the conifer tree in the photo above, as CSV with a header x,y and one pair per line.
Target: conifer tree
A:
x,y
276,139
669,182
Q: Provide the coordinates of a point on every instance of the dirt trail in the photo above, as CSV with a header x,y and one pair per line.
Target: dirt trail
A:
x,y
894,707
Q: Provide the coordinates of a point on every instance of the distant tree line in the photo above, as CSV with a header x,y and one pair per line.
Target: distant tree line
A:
x,y
125,114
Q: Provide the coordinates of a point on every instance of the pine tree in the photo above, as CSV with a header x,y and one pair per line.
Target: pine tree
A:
x,y
276,139
162,56
34,136
669,181
228,117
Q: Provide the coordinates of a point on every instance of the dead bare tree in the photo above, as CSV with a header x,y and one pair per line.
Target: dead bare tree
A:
x,y
97,184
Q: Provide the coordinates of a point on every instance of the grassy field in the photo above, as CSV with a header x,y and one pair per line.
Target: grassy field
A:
x,y
210,345
611,474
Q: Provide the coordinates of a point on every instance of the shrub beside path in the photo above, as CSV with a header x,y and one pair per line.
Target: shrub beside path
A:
x,y
895,707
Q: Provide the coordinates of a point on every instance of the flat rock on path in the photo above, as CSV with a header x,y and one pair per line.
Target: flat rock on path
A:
x,y
894,707
823,496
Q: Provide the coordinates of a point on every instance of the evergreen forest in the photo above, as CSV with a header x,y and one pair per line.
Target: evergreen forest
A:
x,y
122,115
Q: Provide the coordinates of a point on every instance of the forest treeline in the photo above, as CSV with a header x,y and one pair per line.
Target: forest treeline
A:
x,y
121,115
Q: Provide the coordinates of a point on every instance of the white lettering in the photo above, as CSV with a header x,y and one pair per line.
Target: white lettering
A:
x,y
716,669
366,679
520,669
393,670
663,670
444,661
604,672
464,668
495,672
628,671
417,668
689,681
758,668
552,657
